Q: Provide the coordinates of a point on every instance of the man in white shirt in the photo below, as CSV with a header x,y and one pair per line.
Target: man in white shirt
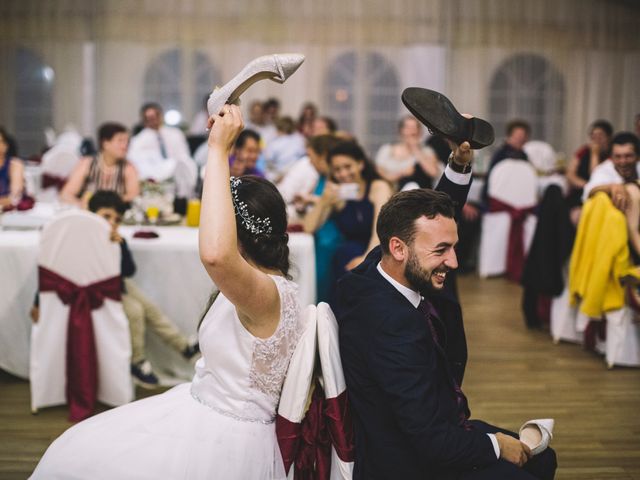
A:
x,y
161,152
618,178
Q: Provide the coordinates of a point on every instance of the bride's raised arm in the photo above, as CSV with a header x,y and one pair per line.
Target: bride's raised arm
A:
x,y
240,278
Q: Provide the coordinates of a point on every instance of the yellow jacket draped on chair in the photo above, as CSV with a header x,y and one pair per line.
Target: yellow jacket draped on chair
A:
x,y
600,258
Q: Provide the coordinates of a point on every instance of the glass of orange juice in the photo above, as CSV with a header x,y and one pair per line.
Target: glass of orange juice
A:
x,y
152,214
193,212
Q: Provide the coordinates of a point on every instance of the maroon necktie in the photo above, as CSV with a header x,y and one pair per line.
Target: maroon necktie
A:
x,y
426,308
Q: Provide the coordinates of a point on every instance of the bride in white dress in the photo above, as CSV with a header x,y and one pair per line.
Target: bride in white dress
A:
x,y
221,425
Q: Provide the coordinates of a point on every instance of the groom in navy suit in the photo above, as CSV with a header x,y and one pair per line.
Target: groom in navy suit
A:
x,y
404,352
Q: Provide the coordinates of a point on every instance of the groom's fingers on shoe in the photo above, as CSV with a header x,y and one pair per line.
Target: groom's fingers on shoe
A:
x,y
463,153
465,147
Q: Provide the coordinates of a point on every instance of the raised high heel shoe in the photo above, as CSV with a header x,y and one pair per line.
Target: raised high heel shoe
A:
x,y
277,67
536,434
439,115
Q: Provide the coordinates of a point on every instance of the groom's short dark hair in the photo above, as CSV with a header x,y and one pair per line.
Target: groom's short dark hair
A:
x,y
398,216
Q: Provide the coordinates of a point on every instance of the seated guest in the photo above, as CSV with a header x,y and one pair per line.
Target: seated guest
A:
x,y
518,132
587,158
284,150
408,160
305,181
324,126
618,178
308,114
301,188
352,200
139,309
161,152
247,151
270,113
11,172
237,166
109,170
257,122
244,157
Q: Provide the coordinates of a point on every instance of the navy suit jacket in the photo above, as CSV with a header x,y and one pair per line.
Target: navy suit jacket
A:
x,y
399,382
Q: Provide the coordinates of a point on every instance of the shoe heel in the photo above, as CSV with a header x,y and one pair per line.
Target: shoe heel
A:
x,y
482,134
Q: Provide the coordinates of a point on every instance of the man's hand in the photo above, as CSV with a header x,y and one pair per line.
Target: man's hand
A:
x,y
619,197
115,237
462,154
330,195
35,314
513,450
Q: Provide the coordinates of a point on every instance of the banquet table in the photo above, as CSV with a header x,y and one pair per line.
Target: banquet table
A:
x,y
168,271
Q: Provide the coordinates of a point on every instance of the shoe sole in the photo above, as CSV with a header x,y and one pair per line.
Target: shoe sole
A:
x,y
439,115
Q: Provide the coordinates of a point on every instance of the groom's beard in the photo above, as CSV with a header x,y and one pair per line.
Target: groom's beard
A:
x,y
418,277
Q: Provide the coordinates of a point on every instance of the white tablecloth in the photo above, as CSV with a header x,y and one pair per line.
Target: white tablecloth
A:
x,y
168,271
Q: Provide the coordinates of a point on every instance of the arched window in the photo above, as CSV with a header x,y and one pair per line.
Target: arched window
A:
x,y
179,85
527,86
33,101
206,77
163,81
362,94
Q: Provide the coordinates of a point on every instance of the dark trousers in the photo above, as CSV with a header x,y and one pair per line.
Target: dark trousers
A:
x,y
541,467
468,242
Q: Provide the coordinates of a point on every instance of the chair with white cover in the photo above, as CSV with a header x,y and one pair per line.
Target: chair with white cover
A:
x,y
599,260
73,360
512,191
295,391
541,155
567,323
335,389
57,164
545,160
622,345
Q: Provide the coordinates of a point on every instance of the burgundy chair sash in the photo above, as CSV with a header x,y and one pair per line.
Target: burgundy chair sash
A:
x,y
49,180
25,203
307,445
338,419
515,249
288,434
81,361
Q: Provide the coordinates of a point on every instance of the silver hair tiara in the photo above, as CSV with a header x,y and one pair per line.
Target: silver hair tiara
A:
x,y
253,224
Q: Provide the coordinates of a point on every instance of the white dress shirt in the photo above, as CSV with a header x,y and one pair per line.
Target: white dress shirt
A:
x,y
604,174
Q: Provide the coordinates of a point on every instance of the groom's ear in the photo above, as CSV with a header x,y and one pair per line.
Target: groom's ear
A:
x,y
398,249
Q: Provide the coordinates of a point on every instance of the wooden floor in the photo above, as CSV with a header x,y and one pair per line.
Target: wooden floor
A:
x,y
513,375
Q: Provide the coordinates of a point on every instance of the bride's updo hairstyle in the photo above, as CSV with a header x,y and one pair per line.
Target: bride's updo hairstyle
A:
x,y
261,222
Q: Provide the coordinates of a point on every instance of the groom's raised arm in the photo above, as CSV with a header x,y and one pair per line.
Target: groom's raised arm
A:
x,y
456,185
456,179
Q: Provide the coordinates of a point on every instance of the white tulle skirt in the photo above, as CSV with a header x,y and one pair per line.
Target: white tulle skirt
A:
x,y
168,436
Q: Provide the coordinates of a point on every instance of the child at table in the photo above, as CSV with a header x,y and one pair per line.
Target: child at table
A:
x,y
140,311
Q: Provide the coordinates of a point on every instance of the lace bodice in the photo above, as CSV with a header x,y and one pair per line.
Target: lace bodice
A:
x,y
241,375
